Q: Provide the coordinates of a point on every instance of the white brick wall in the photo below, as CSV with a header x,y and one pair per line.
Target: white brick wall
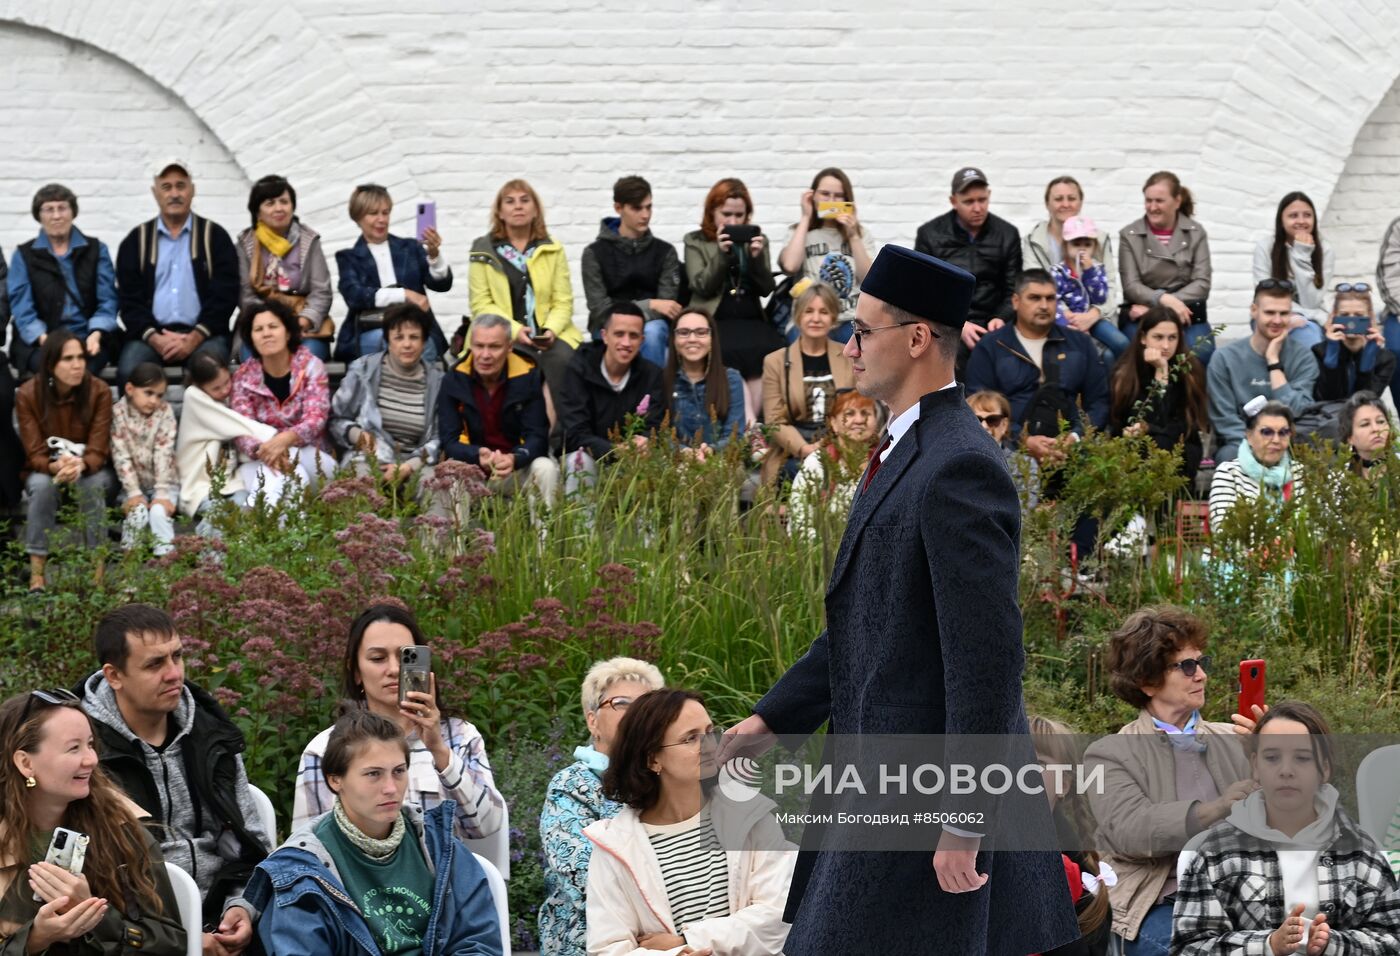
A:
x,y
446,100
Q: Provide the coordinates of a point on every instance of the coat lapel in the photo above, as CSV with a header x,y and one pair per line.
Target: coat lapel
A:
x,y
865,503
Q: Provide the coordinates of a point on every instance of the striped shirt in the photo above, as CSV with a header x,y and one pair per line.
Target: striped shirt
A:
x,y
694,868
401,400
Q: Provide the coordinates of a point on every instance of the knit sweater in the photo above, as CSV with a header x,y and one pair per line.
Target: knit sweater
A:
x,y
143,450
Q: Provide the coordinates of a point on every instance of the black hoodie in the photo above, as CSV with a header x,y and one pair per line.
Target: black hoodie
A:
x,y
589,407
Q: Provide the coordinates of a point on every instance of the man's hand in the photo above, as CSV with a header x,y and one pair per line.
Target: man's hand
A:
x,y
750,737
995,324
1274,350
639,440
667,307
1043,448
955,862
94,343
132,502
416,298
972,333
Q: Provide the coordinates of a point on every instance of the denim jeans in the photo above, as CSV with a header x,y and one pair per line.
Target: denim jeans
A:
x,y
136,351
1106,333
656,336
92,492
1154,936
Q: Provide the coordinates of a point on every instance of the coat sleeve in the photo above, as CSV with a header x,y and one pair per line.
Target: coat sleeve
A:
x,y
1374,927
566,850
763,281
450,430
31,436
1135,291
433,283
560,315
757,926
105,318
216,309
776,413
355,287
669,285
475,930
611,918
345,404
1302,376
468,781
246,296
800,702
167,475
480,299
241,401
1387,268
1096,389
301,925
534,429
1109,307
99,436
595,293
1225,417
572,407
1198,289
1010,271
706,268
1131,824
317,278
733,423
131,290
316,406
980,373
122,448
1201,924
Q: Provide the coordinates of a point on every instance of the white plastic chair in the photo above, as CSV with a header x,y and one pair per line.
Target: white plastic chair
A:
x,y
498,894
191,908
1378,792
267,816
495,847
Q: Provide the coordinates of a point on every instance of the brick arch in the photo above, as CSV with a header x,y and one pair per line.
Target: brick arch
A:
x,y
216,69
1298,98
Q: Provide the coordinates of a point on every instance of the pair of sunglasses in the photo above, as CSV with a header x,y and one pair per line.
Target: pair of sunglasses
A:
x,y
1188,666
993,421
59,697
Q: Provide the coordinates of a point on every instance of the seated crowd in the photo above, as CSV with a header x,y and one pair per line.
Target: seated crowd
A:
x,y
1229,837
1067,330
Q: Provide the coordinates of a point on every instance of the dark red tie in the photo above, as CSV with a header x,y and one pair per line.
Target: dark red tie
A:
x,y
874,464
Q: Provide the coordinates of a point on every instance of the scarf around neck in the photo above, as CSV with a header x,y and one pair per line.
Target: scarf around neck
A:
x,y
1273,477
371,847
1182,738
273,241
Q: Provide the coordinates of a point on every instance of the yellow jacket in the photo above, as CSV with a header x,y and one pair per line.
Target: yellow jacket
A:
x,y
549,276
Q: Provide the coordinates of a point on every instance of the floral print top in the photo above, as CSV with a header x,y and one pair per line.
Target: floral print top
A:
x,y
573,801
143,451
306,410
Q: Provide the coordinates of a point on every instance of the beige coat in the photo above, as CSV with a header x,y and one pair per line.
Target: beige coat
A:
x,y
1141,823
1148,268
784,405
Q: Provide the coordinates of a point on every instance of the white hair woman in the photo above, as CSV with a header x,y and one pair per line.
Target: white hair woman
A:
x,y
575,799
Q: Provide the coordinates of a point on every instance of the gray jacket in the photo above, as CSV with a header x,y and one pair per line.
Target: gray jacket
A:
x,y
355,409
1149,269
315,282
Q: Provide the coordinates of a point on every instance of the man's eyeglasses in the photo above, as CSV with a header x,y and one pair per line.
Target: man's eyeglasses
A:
x,y
859,333
1351,287
1189,665
703,333
1268,432
696,740
1283,285
59,697
618,703
992,421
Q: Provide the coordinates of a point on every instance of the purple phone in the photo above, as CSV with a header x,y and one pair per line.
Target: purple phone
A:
x,y
427,218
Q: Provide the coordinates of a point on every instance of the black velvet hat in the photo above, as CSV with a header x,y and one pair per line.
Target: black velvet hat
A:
x,y
929,288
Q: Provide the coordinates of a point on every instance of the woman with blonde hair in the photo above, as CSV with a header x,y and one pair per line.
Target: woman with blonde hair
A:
x,y
800,382
575,799
121,897
518,270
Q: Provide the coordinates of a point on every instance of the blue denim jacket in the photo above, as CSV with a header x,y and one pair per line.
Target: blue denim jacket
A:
x,y
690,416
303,906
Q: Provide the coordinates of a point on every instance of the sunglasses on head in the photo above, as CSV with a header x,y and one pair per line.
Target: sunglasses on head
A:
x,y
1189,665
1283,285
59,697
1351,287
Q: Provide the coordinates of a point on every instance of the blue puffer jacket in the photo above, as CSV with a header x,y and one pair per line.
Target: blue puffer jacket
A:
x,y
1000,364
304,908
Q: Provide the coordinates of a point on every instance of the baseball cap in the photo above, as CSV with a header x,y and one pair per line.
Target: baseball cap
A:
x,y
160,167
1080,227
968,176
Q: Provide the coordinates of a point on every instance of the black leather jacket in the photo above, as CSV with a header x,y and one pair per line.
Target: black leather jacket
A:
x,y
994,257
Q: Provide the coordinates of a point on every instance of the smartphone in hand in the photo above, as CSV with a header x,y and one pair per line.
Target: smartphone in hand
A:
x,y
415,666
67,849
1251,687
427,217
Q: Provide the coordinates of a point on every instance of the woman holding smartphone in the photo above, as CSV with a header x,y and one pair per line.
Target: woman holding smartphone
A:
x,y
53,780
447,758
728,277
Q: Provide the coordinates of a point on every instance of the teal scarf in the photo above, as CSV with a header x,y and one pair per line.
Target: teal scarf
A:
x,y
1274,477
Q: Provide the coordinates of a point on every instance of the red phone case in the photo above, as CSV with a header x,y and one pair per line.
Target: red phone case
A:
x,y
1251,687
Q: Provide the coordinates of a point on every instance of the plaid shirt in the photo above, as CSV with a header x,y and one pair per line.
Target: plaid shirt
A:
x,y
467,780
1231,896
